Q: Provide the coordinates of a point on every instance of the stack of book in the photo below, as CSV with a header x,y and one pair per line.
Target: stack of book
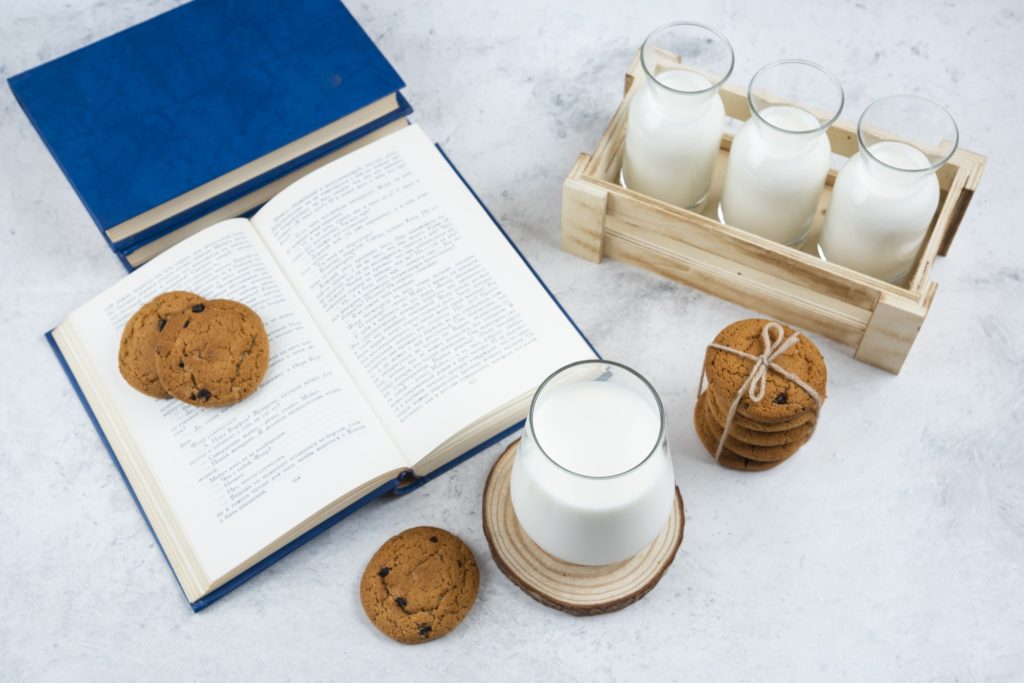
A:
x,y
207,111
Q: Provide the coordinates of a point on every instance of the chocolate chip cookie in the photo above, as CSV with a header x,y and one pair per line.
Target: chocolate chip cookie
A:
x,y
720,410
214,353
746,450
752,437
419,585
784,399
136,356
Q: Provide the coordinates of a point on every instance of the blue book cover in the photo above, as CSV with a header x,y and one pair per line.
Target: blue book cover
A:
x,y
142,117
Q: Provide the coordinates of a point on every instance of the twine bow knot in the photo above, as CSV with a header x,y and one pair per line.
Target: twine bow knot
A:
x,y
774,343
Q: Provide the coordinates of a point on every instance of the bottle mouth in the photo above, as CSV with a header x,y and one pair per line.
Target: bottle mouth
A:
x,y
649,66
936,159
631,371
759,104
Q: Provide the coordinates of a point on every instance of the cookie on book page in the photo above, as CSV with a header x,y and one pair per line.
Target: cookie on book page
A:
x,y
136,356
419,585
213,354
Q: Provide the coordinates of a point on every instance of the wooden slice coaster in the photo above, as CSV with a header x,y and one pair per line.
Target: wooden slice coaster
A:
x,y
576,589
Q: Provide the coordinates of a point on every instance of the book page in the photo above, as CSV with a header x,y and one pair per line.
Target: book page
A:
x,y
239,477
424,299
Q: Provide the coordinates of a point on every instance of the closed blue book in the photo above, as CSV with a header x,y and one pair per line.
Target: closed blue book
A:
x,y
191,109
406,333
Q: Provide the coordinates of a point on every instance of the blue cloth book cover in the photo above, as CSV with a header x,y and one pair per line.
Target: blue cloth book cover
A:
x,y
142,117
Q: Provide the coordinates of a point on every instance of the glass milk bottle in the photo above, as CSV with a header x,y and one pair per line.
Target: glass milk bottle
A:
x,y
592,482
781,155
676,118
886,195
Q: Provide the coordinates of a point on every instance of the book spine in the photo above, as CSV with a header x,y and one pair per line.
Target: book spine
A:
x,y
406,485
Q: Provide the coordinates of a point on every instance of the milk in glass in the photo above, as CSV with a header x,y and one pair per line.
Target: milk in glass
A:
x,y
880,212
886,195
676,116
675,128
776,174
592,482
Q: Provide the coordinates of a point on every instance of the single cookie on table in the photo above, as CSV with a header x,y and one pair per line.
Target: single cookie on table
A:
x,y
784,399
720,410
136,356
727,458
213,354
419,585
750,436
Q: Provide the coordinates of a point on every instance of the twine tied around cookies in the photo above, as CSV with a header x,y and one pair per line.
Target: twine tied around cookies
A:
x,y
774,343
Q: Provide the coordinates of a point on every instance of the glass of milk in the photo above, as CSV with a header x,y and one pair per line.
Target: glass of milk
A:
x,y
592,482
781,155
886,195
676,118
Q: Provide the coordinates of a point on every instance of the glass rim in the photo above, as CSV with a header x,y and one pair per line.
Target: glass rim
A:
x,y
695,24
598,361
802,62
925,169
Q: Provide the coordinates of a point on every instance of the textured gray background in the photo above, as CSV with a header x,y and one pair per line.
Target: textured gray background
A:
x,y
890,548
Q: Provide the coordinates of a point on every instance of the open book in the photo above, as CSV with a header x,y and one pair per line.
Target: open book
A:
x,y
405,330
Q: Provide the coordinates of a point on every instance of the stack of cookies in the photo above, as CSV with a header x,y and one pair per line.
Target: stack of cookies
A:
x,y
761,433
206,353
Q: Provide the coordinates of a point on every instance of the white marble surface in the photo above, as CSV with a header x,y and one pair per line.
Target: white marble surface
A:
x,y
890,548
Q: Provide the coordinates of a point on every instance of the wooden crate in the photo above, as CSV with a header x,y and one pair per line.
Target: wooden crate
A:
x,y
878,319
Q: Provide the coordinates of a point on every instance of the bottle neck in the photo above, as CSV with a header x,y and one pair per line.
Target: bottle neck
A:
x,y
784,142
680,90
887,174
787,129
